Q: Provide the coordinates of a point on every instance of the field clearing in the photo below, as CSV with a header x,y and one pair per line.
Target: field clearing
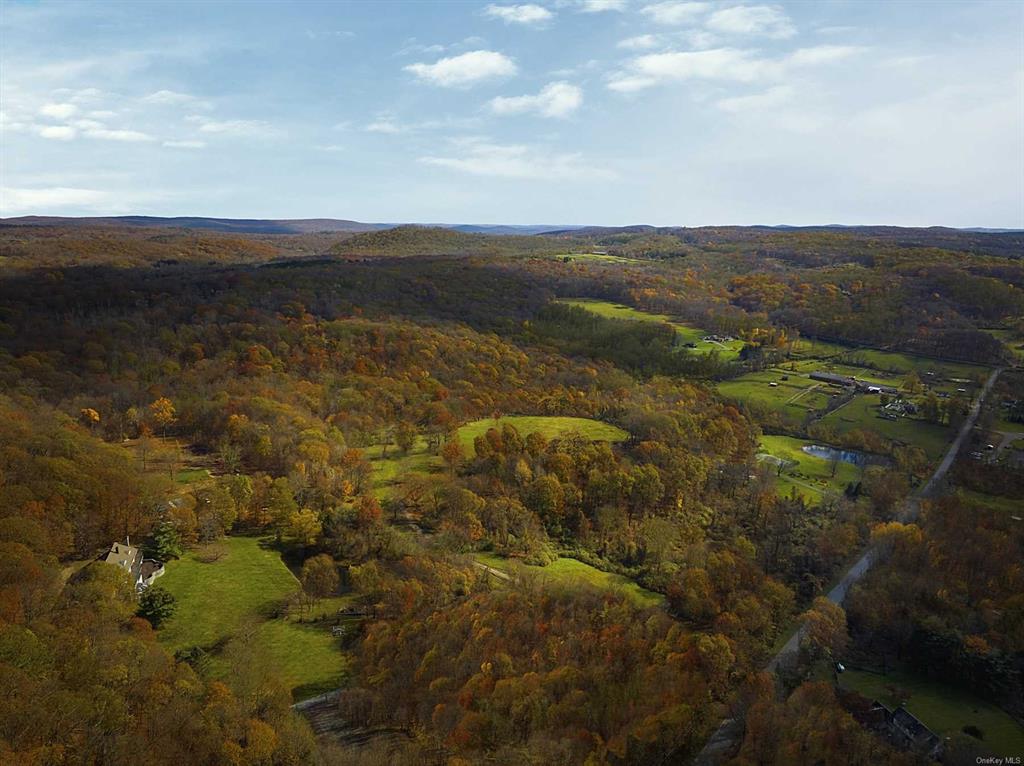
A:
x,y
943,709
170,457
1012,341
900,364
570,572
812,475
862,412
792,398
1010,505
216,601
685,332
390,471
549,427
599,257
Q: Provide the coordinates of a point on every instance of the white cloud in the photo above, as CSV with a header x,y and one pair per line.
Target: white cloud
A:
x,y
384,125
821,54
527,13
772,97
465,69
106,134
754,20
556,99
639,42
102,114
185,144
715,64
58,111
58,132
481,158
15,200
254,128
724,64
599,6
674,12
174,98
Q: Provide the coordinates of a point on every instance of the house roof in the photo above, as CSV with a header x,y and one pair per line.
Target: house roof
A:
x,y
122,555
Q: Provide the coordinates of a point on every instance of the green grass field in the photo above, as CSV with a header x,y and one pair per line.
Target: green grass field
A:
x,y
811,476
943,709
686,333
792,398
862,412
390,471
239,591
566,571
549,427
599,257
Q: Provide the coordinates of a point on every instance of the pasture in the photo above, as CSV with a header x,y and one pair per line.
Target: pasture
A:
x,y
810,475
568,572
944,709
793,396
863,411
686,333
240,591
548,427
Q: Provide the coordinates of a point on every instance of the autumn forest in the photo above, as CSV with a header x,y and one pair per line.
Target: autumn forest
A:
x,y
426,496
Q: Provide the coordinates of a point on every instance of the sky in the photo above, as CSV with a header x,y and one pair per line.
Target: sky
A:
x,y
605,112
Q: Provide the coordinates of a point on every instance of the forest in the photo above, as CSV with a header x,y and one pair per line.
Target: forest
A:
x,y
502,526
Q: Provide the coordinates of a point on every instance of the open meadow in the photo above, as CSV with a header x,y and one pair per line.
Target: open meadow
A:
x,y
569,572
547,426
810,475
686,333
240,591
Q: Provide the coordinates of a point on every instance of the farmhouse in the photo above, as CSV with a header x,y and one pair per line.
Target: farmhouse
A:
x,y
904,728
141,570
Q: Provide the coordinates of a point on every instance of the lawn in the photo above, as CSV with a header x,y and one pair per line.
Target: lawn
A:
x,y
240,590
567,571
943,709
810,475
862,412
686,333
549,427
793,398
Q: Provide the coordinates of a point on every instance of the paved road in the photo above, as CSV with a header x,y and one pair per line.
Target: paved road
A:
x,y
726,736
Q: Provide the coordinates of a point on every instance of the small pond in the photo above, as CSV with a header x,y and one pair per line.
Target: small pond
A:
x,y
854,457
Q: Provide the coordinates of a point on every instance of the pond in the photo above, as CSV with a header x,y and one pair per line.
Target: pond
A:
x,y
854,457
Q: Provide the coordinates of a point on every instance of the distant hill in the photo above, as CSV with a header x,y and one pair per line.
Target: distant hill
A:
x,y
436,240
268,226
233,225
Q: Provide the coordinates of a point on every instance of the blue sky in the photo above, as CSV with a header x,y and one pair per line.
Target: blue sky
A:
x,y
570,111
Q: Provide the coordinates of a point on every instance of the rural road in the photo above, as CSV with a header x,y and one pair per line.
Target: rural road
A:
x,y
729,732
